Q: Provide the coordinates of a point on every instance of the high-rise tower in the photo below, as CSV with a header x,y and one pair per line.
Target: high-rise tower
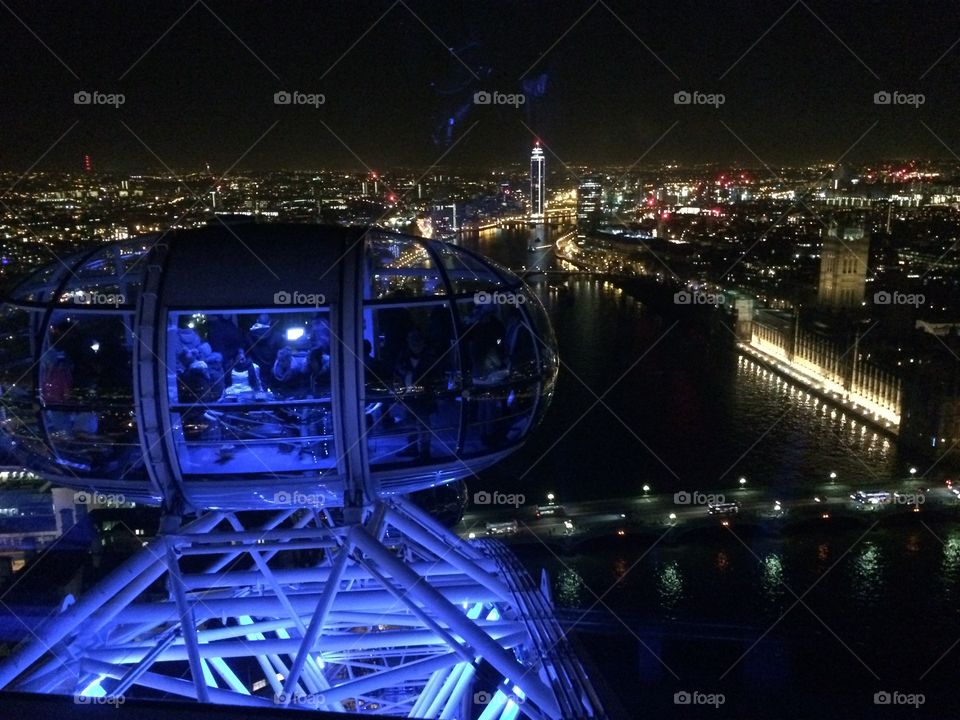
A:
x,y
589,205
843,265
538,189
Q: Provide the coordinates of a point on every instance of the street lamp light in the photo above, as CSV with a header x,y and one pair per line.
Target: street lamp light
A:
x,y
550,497
833,476
913,471
646,489
743,481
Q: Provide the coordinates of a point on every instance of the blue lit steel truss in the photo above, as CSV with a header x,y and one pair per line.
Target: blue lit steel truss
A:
x,y
395,616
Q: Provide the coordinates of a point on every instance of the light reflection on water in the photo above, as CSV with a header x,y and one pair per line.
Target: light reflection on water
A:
x,y
670,585
620,568
772,579
950,564
867,572
722,561
568,588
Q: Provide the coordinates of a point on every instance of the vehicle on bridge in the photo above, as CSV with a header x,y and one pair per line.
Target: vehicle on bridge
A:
x,y
877,497
724,508
551,510
506,527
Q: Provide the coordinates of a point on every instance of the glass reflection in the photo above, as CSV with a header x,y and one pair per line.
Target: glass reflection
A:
x,y
110,277
502,369
466,274
86,392
397,268
18,411
412,384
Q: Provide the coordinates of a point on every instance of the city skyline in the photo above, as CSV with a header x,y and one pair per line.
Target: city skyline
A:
x,y
584,360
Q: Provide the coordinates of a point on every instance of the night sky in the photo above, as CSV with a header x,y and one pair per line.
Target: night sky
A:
x,y
394,94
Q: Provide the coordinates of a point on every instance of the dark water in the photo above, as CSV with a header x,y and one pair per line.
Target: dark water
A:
x,y
678,410
877,611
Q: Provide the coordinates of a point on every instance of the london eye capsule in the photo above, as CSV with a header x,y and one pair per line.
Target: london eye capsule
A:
x,y
262,365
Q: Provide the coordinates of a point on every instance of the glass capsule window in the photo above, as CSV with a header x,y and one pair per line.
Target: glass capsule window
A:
x,y
19,412
85,389
250,392
466,273
412,384
109,278
397,269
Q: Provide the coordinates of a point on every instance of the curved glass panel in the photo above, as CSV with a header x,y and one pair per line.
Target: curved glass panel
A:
x,y
546,347
87,359
250,392
502,370
412,384
398,267
546,341
19,413
86,391
43,284
111,277
466,273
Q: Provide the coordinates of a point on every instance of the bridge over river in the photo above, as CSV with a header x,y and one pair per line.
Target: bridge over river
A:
x,y
674,517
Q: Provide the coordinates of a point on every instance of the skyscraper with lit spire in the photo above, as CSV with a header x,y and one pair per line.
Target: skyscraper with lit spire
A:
x,y
538,188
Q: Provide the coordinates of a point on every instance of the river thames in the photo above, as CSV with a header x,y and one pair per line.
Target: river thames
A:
x,y
811,623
